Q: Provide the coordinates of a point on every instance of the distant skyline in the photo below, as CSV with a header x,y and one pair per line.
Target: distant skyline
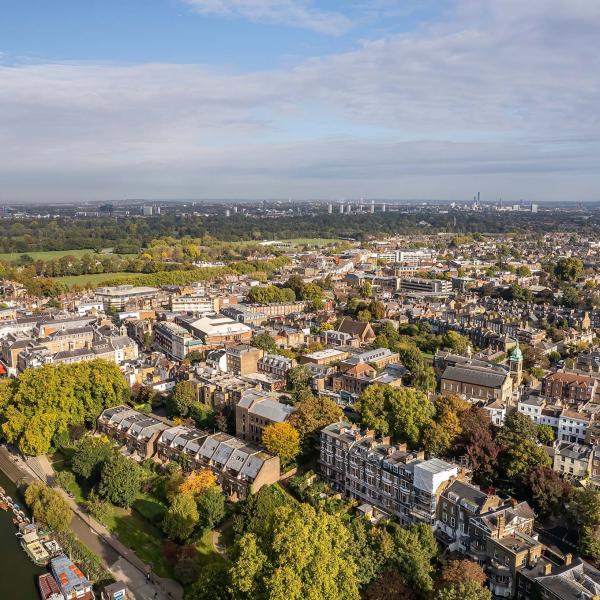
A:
x,y
329,99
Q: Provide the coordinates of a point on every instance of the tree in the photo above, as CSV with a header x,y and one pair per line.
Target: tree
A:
x,y
549,491
446,427
568,269
372,548
411,357
90,454
48,506
299,377
388,586
64,479
283,440
518,437
265,341
585,508
44,402
197,482
534,357
211,507
212,584
120,480
523,271
181,518
477,443
455,342
187,570
403,412
377,309
310,416
364,315
415,547
182,398
545,434
305,555
570,297
469,590
461,571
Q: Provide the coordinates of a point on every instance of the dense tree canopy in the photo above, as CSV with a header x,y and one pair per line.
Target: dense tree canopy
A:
x,y
283,440
120,480
405,413
45,401
306,555
48,506
181,518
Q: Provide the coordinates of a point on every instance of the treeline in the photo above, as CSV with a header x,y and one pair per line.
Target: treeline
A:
x,y
151,274
130,235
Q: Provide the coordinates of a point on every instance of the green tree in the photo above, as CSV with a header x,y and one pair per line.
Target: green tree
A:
x,y
211,508
120,480
405,413
364,315
181,518
568,269
455,342
441,436
518,437
545,434
182,398
306,555
265,342
44,402
585,509
90,454
311,415
48,506
415,548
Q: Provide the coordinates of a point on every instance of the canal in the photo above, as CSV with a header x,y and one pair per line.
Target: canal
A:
x,y
18,575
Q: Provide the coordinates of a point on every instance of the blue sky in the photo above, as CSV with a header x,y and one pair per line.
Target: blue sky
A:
x,y
107,99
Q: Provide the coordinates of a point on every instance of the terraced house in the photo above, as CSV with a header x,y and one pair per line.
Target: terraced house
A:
x,y
240,468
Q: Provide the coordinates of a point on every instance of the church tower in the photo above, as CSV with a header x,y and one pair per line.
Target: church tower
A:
x,y
515,363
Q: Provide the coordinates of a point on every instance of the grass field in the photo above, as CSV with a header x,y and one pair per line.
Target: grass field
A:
x,y
50,254
43,255
95,279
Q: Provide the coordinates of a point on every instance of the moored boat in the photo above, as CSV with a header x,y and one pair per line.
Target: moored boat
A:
x,y
49,588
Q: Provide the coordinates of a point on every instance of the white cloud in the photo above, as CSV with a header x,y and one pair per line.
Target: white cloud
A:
x,y
294,13
498,99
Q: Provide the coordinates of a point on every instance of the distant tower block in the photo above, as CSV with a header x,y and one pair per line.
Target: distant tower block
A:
x,y
372,206
383,207
235,209
348,208
342,208
329,208
227,213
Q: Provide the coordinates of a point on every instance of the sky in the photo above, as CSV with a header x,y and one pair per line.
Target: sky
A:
x,y
328,99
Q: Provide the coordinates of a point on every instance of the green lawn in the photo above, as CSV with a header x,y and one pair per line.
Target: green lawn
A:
x,y
59,463
146,540
50,254
43,255
96,279
207,555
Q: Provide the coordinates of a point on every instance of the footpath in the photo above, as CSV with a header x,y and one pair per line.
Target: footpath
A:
x,y
122,562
